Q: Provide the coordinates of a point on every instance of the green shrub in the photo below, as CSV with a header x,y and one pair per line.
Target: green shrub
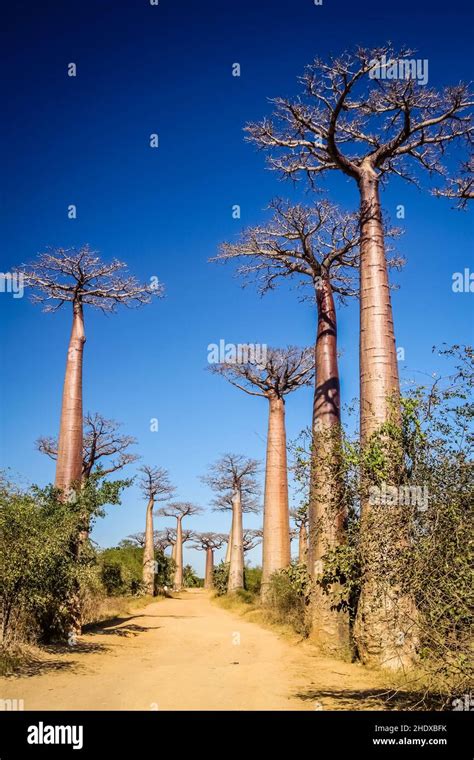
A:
x,y
221,578
253,579
288,596
190,579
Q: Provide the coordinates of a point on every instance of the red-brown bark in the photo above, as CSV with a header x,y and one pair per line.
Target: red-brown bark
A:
x,y
69,459
276,525
330,628
209,577
385,626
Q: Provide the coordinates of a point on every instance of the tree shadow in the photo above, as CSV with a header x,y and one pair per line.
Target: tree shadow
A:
x,y
373,699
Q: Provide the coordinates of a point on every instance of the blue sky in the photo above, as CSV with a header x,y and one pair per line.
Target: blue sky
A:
x,y
85,141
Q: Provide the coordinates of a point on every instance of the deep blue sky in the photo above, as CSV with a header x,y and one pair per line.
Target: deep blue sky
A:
x,y
84,140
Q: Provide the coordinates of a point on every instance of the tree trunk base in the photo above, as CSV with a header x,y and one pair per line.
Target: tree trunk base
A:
x,y
329,627
385,630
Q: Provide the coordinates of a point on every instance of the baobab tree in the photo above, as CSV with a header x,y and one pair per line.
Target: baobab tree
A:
x,y
318,247
155,486
81,278
179,510
209,542
104,451
365,115
251,538
300,518
460,188
103,446
233,480
282,372
161,539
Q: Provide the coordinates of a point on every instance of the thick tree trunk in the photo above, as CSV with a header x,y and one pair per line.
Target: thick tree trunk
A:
x,y
302,545
236,569
229,545
148,551
276,520
69,459
178,573
385,627
208,578
330,627
70,452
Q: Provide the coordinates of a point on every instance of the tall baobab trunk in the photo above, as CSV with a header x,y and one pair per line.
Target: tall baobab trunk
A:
x,y
229,544
236,569
178,573
70,450
209,578
302,544
330,628
385,626
148,551
276,520
69,459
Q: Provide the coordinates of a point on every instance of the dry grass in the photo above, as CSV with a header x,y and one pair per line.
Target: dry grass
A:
x,y
18,657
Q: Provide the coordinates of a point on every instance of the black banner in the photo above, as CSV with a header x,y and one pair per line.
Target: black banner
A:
x,y
124,734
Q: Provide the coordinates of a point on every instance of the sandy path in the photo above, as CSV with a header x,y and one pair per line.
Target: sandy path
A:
x,y
188,654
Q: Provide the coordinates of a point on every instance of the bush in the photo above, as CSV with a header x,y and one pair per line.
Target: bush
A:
x,y
221,578
253,579
288,596
121,570
190,579
46,572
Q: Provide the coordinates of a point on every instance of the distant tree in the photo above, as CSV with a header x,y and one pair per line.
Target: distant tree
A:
x,y
209,542
155,486
103,446
105,450
252,537
282,372
300,518
179,510
81,278
233,480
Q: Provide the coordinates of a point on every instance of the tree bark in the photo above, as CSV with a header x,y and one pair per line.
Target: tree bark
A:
x,y
302,545
70,444
276,520
148,551
178,573
208,578
385,629
236,569
229,545
330,627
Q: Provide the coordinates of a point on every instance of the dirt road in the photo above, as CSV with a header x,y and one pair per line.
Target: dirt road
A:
x,y
189,654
